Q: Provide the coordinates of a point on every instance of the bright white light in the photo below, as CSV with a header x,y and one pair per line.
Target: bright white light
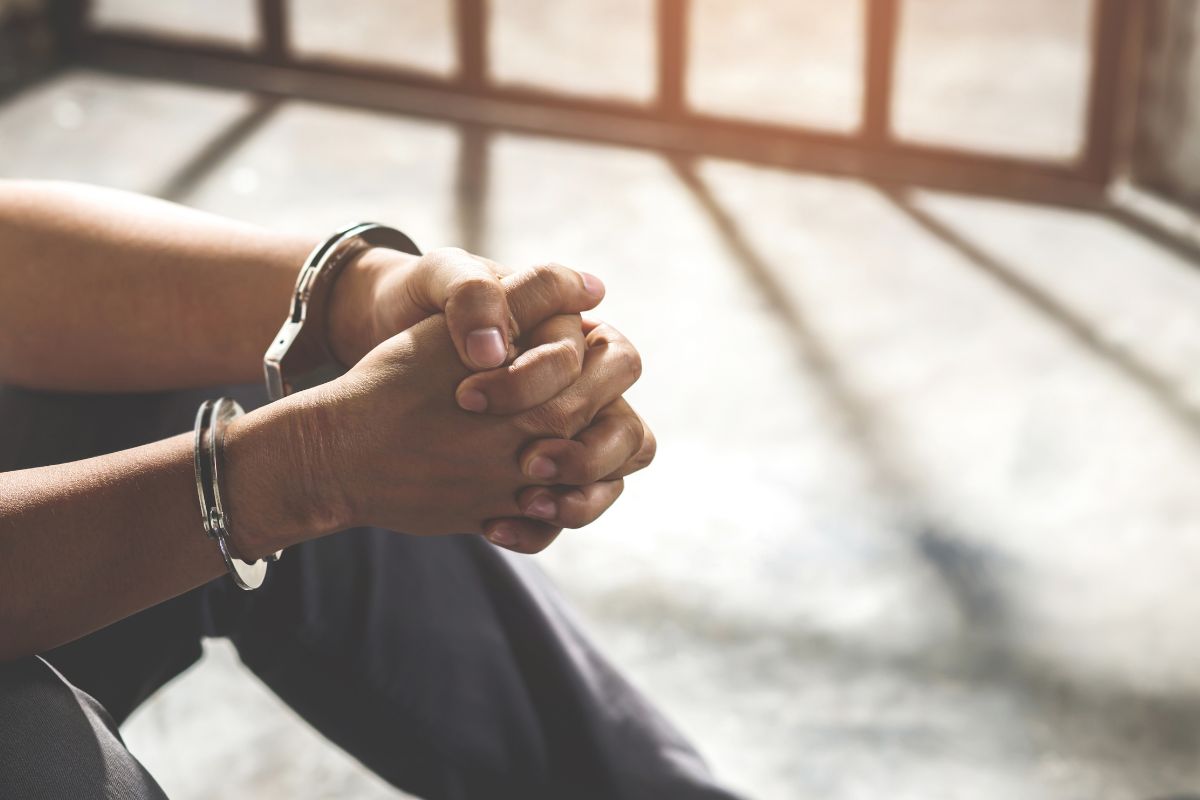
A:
x,y
244,180
68,114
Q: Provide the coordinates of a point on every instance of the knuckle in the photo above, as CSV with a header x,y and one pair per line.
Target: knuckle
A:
x,y
633,433
589,509
548,271
579,467
578,415
473,285
566,415
593,471
578,519
451,260
649,448
501,391
564,359
554,277
577,510
618,488
629,358
448,253
516,394
551,419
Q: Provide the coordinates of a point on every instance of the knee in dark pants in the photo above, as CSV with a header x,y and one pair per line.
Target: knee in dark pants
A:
x,y
56,741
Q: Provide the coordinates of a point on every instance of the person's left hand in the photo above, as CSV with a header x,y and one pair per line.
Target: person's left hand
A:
x,y
385,292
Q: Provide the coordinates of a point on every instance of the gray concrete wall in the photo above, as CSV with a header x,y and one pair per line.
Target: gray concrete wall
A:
x,y
1167,151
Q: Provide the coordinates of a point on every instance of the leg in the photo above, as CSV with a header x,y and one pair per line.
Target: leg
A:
x,y
454,670
56,741
449,667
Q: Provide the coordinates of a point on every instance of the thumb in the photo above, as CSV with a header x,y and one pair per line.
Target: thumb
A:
x,y
468,290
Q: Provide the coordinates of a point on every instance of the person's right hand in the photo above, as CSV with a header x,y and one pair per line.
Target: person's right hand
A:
x,y
394,450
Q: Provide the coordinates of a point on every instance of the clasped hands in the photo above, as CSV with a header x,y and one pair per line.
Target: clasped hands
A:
x,y
478,401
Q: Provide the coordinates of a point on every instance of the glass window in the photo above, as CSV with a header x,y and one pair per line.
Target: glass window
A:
x,y
412,34
791,61
600,48
224,21
1005,77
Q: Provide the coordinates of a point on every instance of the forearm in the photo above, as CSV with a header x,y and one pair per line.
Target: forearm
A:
x,y
108,291
87,543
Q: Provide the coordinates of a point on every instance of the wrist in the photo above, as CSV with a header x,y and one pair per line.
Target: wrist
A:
x,y
354,326
275,478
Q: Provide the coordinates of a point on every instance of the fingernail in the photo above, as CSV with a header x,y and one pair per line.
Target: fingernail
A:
x,y
541,507
486,347
503,536
592,285
542,467
473,400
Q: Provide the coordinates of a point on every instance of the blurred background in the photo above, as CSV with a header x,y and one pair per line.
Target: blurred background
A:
x,y
916,288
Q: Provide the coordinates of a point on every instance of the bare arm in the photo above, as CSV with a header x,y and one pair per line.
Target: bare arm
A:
x,y
103,290
106,291
87,543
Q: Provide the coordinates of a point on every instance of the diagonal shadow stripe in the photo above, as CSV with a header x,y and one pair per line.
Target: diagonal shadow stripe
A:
x,y
966,570
813,353
1159,387
189,174
1181,245
1158,726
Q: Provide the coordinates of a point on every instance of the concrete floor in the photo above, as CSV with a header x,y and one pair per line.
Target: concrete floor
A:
x,y
949,450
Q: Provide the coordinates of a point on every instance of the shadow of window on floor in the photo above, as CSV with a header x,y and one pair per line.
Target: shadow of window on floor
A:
x,y
1162,389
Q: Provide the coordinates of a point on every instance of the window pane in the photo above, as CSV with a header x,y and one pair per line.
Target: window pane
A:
x,y
225,21
602,48
413,34
1006,77
791,61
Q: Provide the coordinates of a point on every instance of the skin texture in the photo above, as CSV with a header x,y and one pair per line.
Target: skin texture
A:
x,y
397,394
507,405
